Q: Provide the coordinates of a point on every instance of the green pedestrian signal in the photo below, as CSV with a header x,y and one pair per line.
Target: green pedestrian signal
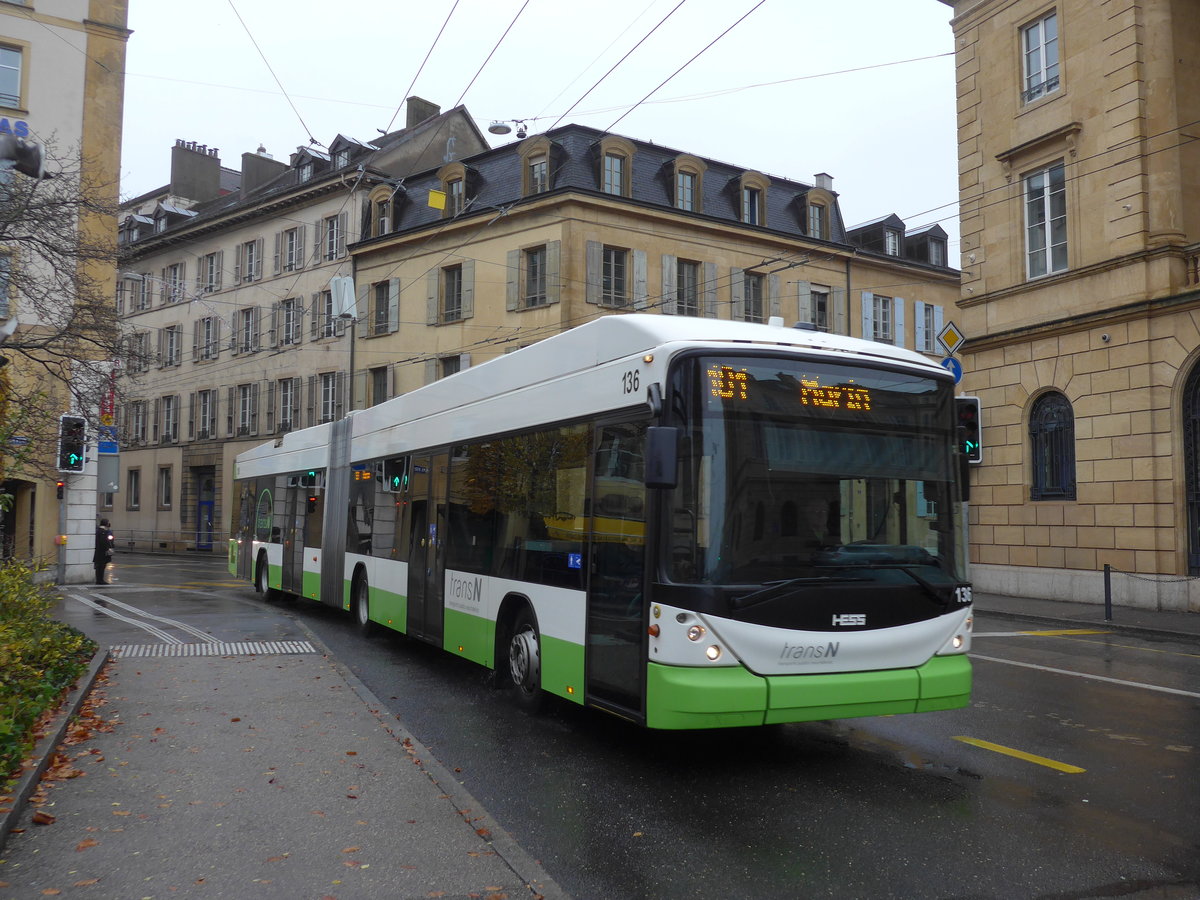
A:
x,y
970,428
72,442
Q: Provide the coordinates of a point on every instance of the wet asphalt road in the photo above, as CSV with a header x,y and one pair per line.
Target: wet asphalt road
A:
x,y
1101,800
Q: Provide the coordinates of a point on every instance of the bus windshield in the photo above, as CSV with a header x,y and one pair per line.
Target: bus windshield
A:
x,y
811,471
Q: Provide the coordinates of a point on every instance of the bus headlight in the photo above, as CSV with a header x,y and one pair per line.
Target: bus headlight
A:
x,y
713,653
696,632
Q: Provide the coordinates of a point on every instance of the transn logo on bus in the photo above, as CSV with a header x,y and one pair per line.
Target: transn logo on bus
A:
x,y
850,619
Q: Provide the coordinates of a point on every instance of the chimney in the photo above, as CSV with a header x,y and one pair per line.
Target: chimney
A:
x,y
259,168
419,110
824,181
195,171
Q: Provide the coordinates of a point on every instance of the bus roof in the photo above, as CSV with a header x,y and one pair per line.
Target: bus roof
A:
x,y
595,343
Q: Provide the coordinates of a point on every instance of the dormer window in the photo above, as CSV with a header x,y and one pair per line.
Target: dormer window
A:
x,y
305,172
891,242
340,158
752,193
539,175
616,166
688,184
937,252
816,221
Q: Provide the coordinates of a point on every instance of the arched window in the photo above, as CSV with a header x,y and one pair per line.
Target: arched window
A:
x,y
1052,442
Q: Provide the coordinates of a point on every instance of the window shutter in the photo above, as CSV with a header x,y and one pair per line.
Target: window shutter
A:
x,y
898,322
737,294
311,411
938,324
841,315
236,345
512,285
231,411
640,280
708,291
278,252
431,371
192,416
464,361
919,324
775,304
300,246
595,270
317,240
162,286
220,267
553,271
314,324
196,339
237,263
358,389
273,331
155,410
868,316
432,277
257,316
270,408
343,220
258,260
670,279
468,288
254,408
393,305
804,301
216,350
162,347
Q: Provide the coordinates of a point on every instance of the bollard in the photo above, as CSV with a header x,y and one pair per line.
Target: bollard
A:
x,y
1107,592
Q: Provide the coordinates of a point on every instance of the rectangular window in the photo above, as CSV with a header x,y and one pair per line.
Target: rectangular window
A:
x,y
1039,42
137,422
539,176
206,344
452,288
210,273
929,329
613,181
685,190
379,391
1046,221
247,414
133,489
139,352
816,221
172,344
379,321
328,320
881,319
10,77
287,404
820,307
753,294
142,300
383,217
328,396
251,261
891,242
614,290
535,276
450,365
164,487
334,243
170,419
291,250
687,288
207,408
937,252
290,314
751,206
455,197
247,330
173,283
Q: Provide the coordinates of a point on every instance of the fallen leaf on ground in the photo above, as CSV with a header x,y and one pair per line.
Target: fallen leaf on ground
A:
x,y
86,843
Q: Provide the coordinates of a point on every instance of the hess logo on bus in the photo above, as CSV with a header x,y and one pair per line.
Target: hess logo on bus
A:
x,y
850,619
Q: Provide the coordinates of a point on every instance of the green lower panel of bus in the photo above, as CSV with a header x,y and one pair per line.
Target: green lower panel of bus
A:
x,y
387,608
233,557
679,697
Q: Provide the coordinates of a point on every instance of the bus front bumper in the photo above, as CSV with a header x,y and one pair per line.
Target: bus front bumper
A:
x,y
680,697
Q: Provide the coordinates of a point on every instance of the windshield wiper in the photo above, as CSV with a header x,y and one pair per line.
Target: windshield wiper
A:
x,y
907,569
773,588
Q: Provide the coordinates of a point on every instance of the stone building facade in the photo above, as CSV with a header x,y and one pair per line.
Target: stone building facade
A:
x,y
1081,294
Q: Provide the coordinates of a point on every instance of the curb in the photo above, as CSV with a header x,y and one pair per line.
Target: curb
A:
x,y
44,749
522,864
1091,623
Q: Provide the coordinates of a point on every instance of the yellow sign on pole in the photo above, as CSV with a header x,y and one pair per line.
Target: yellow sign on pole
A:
x,y
951,338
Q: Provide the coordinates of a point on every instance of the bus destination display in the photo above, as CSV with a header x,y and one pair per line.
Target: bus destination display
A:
x,y
728,383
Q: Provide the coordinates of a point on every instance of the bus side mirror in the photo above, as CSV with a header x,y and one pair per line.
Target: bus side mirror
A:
x,y
662,456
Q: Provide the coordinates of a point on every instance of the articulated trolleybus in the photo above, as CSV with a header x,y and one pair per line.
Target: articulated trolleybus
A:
x,y
688,523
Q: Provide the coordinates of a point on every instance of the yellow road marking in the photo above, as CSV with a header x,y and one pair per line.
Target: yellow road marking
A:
x,y
1064,631
1021,754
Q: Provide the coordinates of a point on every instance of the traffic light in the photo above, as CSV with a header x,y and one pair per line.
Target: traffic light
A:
x,y
970,428
72,439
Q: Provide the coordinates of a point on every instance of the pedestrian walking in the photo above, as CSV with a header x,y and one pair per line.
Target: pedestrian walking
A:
x,y
103,554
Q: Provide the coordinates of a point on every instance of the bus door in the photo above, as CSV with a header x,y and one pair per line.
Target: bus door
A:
x,y
246,514
292,581
616,659
427,533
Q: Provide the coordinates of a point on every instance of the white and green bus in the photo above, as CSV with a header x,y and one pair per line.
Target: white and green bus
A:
x,y
689,523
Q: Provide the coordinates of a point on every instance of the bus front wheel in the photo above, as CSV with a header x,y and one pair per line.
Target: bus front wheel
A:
x,y
262,582
525,662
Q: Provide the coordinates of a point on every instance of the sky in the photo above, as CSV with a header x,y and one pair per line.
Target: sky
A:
x,y
861,89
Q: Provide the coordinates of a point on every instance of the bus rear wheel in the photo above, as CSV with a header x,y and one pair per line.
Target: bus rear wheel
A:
x,y
361,604
525,662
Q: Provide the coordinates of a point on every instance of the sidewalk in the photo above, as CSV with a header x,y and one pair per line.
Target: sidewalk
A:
x,y
1151,622
264,776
